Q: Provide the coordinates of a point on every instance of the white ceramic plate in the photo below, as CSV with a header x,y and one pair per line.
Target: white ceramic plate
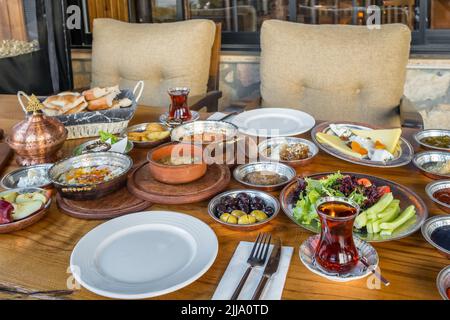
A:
x,y
144,255
274,122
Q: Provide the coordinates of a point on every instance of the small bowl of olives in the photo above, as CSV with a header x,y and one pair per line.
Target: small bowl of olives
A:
x,y
243,209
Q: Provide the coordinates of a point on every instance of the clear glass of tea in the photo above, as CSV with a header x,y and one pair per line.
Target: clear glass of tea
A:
x,y
336,251
179,108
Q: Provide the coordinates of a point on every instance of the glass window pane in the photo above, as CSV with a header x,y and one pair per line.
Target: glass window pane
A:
x,y
18,28
358,12
239,15
440,14
164,10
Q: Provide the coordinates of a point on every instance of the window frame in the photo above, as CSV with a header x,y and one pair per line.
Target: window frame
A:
x,y
424,39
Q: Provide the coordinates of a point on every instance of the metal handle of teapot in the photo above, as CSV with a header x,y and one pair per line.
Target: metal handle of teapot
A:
x,y
21,94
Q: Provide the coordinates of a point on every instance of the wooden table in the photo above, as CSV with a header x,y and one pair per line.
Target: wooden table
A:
x,y
37,258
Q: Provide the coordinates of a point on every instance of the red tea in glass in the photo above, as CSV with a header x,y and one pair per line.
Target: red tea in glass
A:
x,y
179,109
336,251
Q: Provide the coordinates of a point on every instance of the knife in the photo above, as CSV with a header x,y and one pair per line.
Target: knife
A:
x,y
270,270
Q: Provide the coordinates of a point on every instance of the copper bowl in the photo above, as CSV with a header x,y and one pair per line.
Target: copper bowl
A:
x,y
90,191
176,174
37,140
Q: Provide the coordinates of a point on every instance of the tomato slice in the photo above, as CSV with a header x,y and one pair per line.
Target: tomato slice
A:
x,y
364,182
384,189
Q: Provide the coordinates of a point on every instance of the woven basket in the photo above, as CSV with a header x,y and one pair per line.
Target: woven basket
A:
x,y
89,124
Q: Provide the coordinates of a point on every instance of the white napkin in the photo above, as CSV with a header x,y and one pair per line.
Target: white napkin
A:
x,y
221,115
119,146
236,270
217,116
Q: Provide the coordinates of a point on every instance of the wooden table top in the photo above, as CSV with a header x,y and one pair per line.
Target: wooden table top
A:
x,y
37,258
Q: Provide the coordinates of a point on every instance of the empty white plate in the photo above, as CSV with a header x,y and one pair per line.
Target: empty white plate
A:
x,y
274,122
144,255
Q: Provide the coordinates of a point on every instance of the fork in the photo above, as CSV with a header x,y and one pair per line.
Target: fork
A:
x,y
257,258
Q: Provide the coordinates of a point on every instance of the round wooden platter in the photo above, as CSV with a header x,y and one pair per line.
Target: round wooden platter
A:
x,y
144,186
113,205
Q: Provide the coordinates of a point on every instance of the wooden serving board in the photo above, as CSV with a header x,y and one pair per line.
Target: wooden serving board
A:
x,y
5,154
111,206
144,186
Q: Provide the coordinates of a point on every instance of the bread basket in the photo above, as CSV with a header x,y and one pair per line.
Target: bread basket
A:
x,y
90,123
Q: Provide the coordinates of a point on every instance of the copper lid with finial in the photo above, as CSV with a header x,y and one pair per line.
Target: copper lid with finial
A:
x,y
37,139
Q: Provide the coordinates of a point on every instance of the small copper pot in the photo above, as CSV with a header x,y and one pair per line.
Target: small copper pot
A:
x,y
37,139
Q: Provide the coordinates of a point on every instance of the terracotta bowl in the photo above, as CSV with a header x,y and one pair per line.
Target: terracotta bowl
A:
x,y
171,174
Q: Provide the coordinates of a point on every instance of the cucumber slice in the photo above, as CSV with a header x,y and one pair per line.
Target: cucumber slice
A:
x,y
395,203
382,204
376,227
390,213
361,220
369,227
386,232
404,216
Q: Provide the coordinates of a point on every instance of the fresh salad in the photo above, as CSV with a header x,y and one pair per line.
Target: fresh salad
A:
x,y
380,212
108,137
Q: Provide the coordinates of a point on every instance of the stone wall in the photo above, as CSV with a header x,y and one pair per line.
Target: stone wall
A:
x,y
427,84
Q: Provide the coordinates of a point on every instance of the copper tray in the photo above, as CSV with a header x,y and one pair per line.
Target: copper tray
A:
x,y
406,196
113,205
142,185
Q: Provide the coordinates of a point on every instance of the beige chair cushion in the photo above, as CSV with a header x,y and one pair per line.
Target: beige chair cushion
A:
x,y
162,55
335,72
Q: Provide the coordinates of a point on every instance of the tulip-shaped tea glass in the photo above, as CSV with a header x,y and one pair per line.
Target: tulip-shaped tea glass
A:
x,y
179,109
336,251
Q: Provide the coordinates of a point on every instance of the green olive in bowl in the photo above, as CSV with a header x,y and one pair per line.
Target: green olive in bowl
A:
x,y
238,213
247,219
259,215
228,218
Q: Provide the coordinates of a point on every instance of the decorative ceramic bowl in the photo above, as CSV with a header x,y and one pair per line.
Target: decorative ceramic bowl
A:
x,y
424,160
432,224
144,144
271,144
227,130
281,169
31,219
443,282
269,200
177,174
91,191
11,180
419,136
433,187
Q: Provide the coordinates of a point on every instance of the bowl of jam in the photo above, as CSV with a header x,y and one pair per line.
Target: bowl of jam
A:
x,y
436,231
439,192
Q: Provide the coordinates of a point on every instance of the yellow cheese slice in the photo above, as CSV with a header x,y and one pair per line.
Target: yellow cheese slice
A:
x,y
337,143
388,137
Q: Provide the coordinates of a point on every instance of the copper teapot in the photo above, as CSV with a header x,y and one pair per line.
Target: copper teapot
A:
x,y
38,139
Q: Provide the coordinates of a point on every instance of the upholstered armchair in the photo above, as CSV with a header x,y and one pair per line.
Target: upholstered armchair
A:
x,y
179,54
336,72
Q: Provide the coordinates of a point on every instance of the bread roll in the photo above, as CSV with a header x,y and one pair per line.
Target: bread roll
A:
x,y
96,93
80,108
63,103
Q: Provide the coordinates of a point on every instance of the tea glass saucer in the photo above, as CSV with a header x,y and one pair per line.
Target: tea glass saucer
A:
x,y
308,248
164,117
